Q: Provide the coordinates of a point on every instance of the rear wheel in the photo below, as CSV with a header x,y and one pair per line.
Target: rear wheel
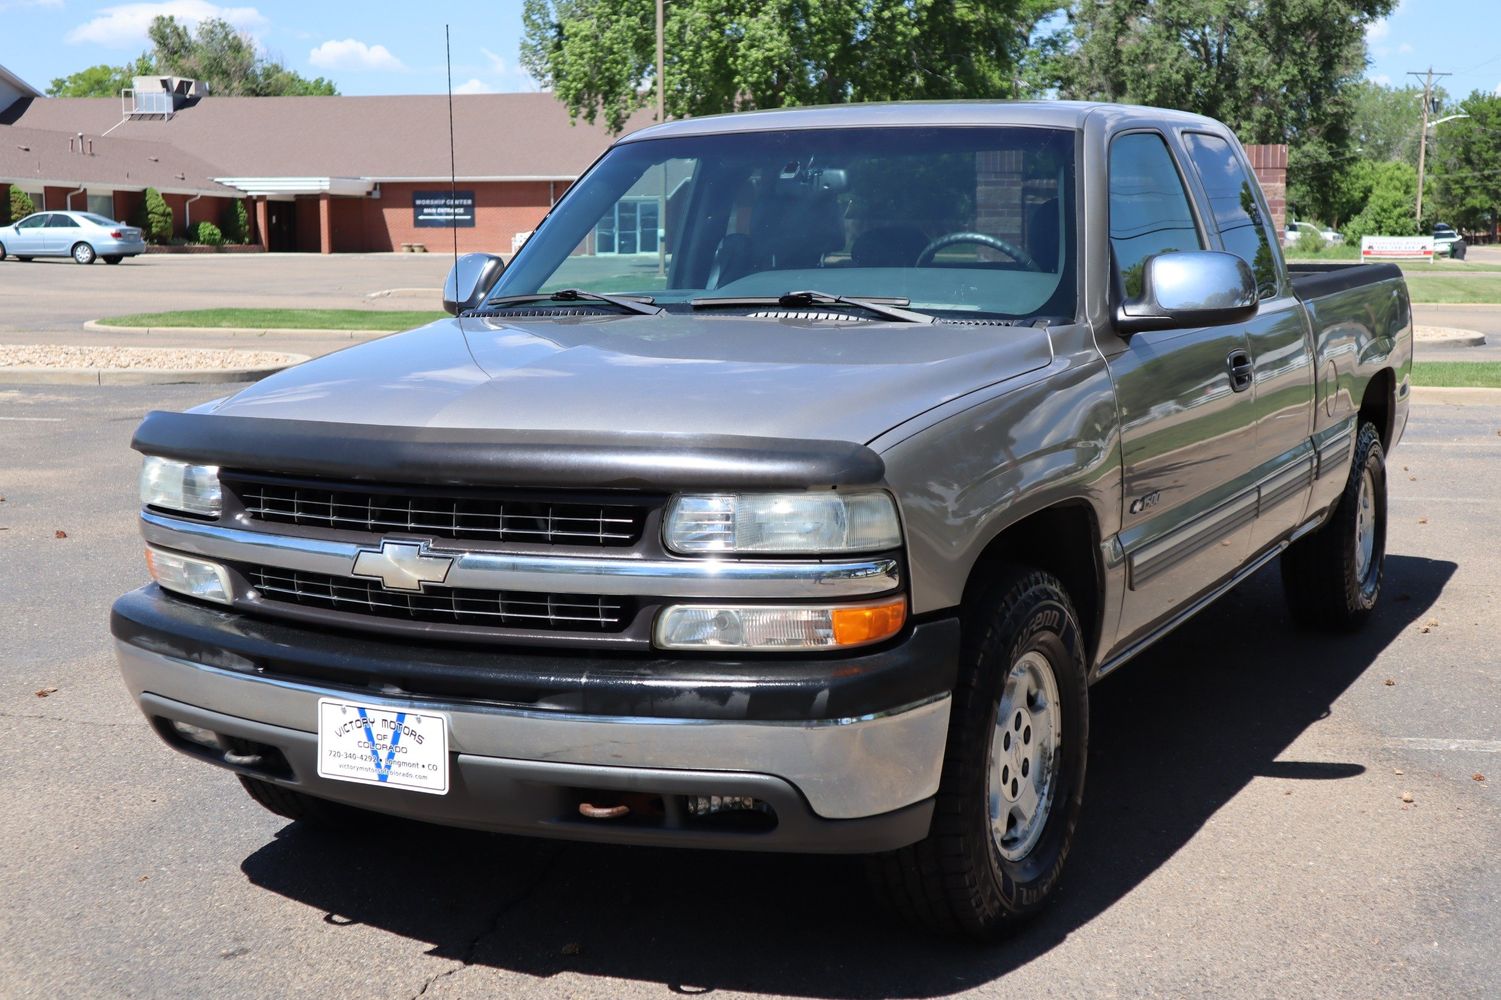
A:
x,y
113,259
1013,772
1332,577
2,251
83,253
24,260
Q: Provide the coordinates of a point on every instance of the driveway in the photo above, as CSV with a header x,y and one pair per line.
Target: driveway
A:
x,y
1244,833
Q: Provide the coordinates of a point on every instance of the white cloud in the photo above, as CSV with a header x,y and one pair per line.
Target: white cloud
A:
x,y
353,54
1381,79
1377,30
497,64
1404,48
23,4
474,86
124,26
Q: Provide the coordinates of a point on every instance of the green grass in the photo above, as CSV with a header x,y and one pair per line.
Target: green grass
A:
x,y
1457,374
1435,288
306,319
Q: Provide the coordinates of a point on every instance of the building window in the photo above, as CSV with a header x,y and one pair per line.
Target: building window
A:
x,y
633,227
102,204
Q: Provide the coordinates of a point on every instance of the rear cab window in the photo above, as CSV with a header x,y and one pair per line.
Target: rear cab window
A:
x,y
1235,208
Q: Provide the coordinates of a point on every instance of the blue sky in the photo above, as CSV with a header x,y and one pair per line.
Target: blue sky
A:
x,y
396,46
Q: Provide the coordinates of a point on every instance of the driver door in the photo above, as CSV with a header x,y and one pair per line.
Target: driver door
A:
x,y
29,233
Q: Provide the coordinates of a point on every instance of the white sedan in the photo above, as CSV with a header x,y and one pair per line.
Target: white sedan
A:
x,y
83,236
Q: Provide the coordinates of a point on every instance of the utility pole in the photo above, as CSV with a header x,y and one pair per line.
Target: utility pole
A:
x,y
1427,79
661,83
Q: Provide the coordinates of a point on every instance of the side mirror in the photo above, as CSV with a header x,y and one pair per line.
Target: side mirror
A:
x,y
1192,288
469,281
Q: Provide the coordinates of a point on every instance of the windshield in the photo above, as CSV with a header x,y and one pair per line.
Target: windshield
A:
x,y
957,220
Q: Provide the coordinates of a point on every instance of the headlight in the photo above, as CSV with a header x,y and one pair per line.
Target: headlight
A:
x,y
193,489
186,575
782,523
778,629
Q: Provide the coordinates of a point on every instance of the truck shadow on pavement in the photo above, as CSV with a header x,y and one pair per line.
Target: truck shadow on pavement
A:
x,y
1183,730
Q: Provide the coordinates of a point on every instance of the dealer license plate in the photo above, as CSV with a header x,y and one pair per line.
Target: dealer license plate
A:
x,y
378,746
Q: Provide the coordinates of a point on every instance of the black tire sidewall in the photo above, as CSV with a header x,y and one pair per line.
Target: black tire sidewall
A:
x,y
1362,592
1042,621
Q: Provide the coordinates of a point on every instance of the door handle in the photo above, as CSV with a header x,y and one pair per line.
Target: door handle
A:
x,y
1242,371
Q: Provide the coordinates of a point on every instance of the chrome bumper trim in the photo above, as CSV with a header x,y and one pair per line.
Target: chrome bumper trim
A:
x,y
708,578
846,768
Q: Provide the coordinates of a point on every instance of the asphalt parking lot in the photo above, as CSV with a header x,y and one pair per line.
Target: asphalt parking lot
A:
x,y
1244,832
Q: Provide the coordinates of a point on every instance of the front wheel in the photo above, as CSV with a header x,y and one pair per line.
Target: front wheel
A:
x,y
1332,577
1013,772
83,253
2,251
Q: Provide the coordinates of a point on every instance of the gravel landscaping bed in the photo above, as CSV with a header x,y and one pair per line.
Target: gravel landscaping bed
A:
x,y
153,358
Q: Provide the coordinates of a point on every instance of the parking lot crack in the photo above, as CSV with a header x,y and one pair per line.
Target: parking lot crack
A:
x,y
493,922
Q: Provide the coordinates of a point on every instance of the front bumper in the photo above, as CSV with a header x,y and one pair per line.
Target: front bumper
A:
x,y
851,781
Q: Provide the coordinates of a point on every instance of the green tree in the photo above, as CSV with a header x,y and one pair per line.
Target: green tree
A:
x,y
216,52
101,80
1386,120
153,217
1464,159
208,234
1275,71
724,55
1389,208
19,205
226,58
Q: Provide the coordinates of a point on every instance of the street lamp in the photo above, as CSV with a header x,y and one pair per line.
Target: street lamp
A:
x,y
1423,150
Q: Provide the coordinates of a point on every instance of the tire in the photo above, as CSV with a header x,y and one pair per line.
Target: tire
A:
x,y
24,260
113,259
2,251
82,253
1332,578
300,807
961,879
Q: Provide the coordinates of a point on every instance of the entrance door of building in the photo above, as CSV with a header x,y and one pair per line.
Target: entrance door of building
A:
x,y
281,226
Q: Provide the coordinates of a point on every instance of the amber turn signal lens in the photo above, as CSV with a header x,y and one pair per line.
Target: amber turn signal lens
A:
x,y
855,626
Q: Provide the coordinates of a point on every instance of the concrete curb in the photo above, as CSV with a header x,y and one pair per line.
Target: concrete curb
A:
x,y
134,376
1456,395
1495,306
238,331
406,293
1447,336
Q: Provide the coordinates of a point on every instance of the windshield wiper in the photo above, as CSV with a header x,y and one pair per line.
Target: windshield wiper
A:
x,y
643,305
886,308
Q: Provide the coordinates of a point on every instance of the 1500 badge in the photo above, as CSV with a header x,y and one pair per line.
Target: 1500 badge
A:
x,y
1146,503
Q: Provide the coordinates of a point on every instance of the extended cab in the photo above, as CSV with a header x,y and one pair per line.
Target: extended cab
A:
x,y
787,491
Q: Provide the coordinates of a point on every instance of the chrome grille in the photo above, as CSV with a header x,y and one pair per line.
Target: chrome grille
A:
x,y
451,605
547,521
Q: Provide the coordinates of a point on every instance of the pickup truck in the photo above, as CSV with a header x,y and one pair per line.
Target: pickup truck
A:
x,y
787,491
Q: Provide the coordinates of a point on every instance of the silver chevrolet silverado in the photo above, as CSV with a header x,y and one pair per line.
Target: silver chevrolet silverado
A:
x,y
787,491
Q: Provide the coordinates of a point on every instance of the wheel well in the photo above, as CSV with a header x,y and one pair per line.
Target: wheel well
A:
x,y
1377,404
1063,540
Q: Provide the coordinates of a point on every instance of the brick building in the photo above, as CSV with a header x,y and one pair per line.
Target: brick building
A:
x,y
329,174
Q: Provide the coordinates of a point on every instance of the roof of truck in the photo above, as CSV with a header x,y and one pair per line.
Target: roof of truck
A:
x,y
1046,114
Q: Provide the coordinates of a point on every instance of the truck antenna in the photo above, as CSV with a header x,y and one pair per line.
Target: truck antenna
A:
x,y
453,173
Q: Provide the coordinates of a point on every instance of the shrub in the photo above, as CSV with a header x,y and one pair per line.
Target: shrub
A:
x,y
1308,242
208,234
237,227
21,206
153,217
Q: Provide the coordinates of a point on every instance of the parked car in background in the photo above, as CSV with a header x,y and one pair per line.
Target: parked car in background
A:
x,y
83,236
1296,229
1447,241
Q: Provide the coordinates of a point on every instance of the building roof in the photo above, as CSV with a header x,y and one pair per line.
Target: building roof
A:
x,y
49,157
9,81
496,136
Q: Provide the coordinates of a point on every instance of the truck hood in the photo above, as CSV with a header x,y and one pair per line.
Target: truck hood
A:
x,y
786,378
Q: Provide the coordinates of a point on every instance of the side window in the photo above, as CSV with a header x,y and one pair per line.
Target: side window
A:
x,y
1149,210
1232,201
61,221
32,222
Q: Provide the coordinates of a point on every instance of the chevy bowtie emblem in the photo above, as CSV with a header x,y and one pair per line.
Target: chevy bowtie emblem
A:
x,y
402,565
